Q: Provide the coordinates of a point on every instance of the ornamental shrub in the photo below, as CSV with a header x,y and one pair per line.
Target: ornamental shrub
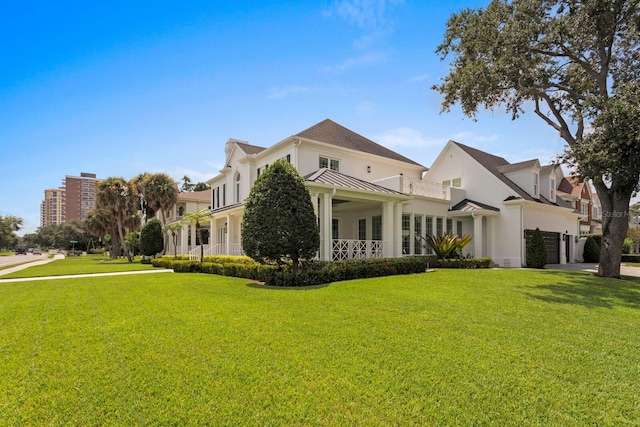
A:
x,y
151,239
591,251
536,250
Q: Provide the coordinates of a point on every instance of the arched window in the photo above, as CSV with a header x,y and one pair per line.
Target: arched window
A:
x,y
238,187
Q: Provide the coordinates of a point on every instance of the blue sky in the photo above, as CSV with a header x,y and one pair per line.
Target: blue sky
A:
x,y
120,88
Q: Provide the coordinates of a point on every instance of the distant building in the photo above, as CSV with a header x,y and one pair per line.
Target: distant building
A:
x,y
52,208
81,195
70,202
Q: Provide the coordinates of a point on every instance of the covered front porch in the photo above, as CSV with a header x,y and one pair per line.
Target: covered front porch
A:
x,y
476,220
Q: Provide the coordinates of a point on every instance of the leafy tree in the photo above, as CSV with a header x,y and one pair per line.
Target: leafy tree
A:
x,y
536,250
591,251
151,238
279,221
201,186
8,226
186,184
560,58
197,218
132,240
161,194
172,229
634,235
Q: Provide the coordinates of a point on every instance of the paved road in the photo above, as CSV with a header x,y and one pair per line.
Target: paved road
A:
x,y
593,268
16,259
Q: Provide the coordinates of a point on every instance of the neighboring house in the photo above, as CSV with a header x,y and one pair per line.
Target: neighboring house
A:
x,y
500,204
373,202
190,201
580,195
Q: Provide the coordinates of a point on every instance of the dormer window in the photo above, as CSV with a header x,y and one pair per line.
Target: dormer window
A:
x,y
552,189
332,164
536,191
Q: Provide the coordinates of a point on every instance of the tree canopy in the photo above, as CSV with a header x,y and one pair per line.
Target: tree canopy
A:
x,y
563,59
8,226
279,221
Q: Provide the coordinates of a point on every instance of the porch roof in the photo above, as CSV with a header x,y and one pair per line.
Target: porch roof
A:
x,y
330,177
470,207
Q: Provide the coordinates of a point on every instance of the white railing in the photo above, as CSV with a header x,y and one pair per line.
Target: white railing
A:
x,y
424,188
357,249
218,249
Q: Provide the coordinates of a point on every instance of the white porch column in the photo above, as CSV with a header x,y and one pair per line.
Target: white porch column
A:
x,y
227,235
397,226
388,234
477,235
184,239
314,202
326,241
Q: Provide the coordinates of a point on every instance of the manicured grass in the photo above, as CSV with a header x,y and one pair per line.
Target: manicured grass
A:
x,y
6,253
80,265
457,347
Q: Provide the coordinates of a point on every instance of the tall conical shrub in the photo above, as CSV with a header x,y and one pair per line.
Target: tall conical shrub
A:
x,y
536,250
591,251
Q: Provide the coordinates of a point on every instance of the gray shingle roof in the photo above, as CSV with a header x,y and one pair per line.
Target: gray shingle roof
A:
x,y
494,163
330,132
513,167
337,179
249,149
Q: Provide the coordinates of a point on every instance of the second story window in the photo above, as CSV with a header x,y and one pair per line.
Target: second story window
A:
x,y
332,164
535,185
552,190
237,195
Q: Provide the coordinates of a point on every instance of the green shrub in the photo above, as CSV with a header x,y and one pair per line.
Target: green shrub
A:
x,y
536,250
591,251
151,238
626,245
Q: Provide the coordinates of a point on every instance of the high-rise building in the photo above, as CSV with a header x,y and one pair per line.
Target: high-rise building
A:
x,y
70,202
81,195
52,209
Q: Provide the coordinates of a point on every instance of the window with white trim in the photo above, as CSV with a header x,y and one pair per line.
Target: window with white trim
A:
x,y
326,162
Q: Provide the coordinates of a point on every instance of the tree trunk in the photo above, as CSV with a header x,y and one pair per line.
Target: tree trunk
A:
x,y
123,244
166,235
615,223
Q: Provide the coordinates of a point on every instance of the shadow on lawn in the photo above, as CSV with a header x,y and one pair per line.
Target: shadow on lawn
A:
x,y
260,285
588,290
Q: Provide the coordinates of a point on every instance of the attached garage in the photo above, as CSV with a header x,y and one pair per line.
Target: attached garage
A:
x,y
552,243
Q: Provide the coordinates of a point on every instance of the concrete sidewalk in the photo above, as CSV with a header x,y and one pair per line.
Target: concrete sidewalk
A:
x,y
67,276
625,270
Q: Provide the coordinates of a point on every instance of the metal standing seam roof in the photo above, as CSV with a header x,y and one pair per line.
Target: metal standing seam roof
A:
x,y
337,179
330,132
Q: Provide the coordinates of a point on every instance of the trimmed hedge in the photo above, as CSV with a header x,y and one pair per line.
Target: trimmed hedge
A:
x,y
631,258
313,273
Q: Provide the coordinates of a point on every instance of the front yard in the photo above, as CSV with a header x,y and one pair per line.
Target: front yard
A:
x,y
456,347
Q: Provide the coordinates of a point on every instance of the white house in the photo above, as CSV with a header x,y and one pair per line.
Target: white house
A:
x,y
500,204
373,202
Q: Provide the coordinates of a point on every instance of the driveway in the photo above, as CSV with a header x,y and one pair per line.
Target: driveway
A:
x,y
593,268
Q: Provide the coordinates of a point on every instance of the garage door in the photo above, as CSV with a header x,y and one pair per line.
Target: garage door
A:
x,y
552,243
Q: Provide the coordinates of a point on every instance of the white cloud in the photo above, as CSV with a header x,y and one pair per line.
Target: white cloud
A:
x,y
407,137
472,139
366,14
420,78
360,61
281,92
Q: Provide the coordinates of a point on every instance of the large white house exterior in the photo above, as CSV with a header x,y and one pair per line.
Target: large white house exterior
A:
x,y
500,204
373,202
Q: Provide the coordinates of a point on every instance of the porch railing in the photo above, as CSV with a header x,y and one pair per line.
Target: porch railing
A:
x,y
357,249
217,249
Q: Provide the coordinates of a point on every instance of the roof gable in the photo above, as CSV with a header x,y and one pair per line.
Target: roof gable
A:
x,y
332,133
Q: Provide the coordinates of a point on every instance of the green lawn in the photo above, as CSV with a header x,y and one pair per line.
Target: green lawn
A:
x,y
80,265
457,347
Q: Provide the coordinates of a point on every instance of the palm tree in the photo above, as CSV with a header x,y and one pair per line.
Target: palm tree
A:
x,y
97,223
161,193
140,182
119,200
196,218
172,228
